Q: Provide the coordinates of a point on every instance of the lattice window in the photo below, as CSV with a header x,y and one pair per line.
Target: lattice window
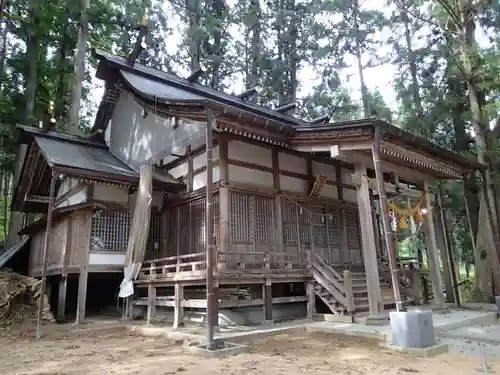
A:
x,y
319,226
334,229
198,210
264,221
216,221
183,226
290,235
242,212
353,235
110,230
154,237
172,233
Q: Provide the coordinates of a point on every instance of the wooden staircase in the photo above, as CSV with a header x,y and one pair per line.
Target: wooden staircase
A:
x,y
346,292
334,289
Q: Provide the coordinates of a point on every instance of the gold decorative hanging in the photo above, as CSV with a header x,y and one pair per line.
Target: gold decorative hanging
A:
x,y
403,223
419,218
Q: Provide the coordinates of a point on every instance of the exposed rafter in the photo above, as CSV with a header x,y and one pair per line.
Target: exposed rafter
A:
x,y
285,108
248,93
321,119
195,76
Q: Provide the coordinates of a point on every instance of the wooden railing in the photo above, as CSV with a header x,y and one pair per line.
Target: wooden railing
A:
x,y
259,261
159,268
195,264
409,278
340,287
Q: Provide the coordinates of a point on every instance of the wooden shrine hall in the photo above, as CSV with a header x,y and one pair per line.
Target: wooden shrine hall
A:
x,y
277,216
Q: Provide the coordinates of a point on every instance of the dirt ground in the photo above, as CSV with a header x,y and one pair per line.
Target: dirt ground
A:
x,y
293,353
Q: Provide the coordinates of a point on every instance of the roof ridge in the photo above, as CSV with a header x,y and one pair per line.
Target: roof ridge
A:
x,y
64,137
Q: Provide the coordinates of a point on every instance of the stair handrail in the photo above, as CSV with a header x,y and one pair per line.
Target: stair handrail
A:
x,y
312,256
386,275
339,286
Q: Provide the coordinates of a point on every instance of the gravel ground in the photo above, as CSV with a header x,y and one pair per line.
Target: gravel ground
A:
x,y
292,353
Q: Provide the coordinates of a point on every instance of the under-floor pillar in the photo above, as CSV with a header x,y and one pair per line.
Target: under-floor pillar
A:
x,y
215,307
267,294
178,306
82,295
61,298
151,309
311,300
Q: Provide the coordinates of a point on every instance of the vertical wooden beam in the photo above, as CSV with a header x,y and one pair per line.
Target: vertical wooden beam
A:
x,y
165,240
61,299
311,300
310,176
224,199
267,293
215,305
63,283
190,173
349,292
209,226
342,221
432,252
179,306
368,242
376,228
151,309
278,203
84,274
386,224
45,258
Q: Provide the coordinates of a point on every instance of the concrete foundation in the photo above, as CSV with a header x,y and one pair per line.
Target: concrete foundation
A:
x,y
412,329
430,351
222,349
377,320
230,317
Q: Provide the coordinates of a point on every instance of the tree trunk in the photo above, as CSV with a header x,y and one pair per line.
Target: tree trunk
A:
x,y
415,86
217,11
293,35
33,55
357,38
490,252
60,99
194,15
81,48
253,76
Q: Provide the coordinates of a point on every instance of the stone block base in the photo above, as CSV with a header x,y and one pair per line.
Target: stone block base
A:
x,y
412,329
221,349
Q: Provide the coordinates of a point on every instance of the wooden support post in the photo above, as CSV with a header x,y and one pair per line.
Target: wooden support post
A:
x,y
209,226
61,300
83,277
45,256
349,292
442,245
311,300
224,204
179,306
386,224
151,312
278,203
432,252
268,301
215,306
368,241
63,283
415,284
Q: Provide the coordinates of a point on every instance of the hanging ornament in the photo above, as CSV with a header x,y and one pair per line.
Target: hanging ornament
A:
x,y
419,216
394,223
403,223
